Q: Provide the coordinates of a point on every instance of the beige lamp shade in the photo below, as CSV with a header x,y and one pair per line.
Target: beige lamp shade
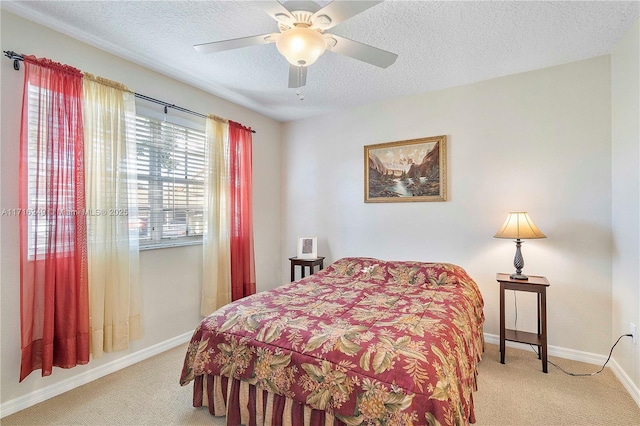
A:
x,y
519,226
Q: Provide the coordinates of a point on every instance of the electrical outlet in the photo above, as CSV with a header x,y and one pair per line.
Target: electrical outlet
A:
x,y
634,333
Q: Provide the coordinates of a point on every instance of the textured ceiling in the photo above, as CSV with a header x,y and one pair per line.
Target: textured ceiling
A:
x,y
440,44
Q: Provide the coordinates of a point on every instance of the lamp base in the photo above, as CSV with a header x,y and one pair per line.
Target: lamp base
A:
x,y
516,276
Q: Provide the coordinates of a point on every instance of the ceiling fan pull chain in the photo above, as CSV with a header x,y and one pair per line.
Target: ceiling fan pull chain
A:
x,y
301,80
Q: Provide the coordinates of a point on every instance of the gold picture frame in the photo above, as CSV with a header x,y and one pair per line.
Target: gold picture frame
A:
x,y
406,171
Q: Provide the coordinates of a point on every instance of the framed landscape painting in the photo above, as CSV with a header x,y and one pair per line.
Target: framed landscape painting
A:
x,y
412,170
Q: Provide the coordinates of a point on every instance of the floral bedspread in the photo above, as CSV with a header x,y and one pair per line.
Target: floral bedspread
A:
x,y
369,341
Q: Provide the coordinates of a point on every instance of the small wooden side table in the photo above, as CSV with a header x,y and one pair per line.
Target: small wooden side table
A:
x,y
535,284
311,263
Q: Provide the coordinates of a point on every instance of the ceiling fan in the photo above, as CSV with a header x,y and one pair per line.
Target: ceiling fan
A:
x,y
302,39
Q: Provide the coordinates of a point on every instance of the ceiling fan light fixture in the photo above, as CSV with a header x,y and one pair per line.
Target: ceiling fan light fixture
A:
x,y
301,46
302,39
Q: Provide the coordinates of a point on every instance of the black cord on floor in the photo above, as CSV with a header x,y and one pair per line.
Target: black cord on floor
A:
x,y
585,374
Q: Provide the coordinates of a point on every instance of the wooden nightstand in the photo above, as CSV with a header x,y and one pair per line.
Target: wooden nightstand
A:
x,y
311,263
535,284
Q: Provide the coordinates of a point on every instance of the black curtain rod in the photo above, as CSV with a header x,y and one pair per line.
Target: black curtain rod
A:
x,y
16,66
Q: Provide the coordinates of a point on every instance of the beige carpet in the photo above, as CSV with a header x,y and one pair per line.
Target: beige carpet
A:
x,y
517,393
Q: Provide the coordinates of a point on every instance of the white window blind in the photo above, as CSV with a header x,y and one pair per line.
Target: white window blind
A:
x,y
46,215
170,182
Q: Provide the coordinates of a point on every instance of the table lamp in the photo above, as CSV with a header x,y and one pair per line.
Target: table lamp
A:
x,y
519,226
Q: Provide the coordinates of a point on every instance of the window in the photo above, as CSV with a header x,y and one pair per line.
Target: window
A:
x,y
170,182
51,182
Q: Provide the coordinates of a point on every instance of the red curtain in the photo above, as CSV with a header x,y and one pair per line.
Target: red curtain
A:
x,y
243,280
54,308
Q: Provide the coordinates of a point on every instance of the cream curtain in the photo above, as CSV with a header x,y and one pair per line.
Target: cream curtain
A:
x,y
112,231
216,274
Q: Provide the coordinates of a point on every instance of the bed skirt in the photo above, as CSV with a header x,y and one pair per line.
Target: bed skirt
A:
x,y
244,404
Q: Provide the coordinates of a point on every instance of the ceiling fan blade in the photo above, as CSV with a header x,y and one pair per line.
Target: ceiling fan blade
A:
x,y
236,43
339,11
362,52
297,76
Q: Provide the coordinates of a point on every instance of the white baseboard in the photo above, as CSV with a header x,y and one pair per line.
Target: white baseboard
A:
x,y
626,381
574,355
47,392
558,351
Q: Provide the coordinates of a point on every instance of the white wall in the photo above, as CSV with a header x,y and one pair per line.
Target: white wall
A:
x,y
170,277
537,142
625,92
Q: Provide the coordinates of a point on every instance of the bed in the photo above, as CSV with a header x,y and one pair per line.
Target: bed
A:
x,y
362,342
